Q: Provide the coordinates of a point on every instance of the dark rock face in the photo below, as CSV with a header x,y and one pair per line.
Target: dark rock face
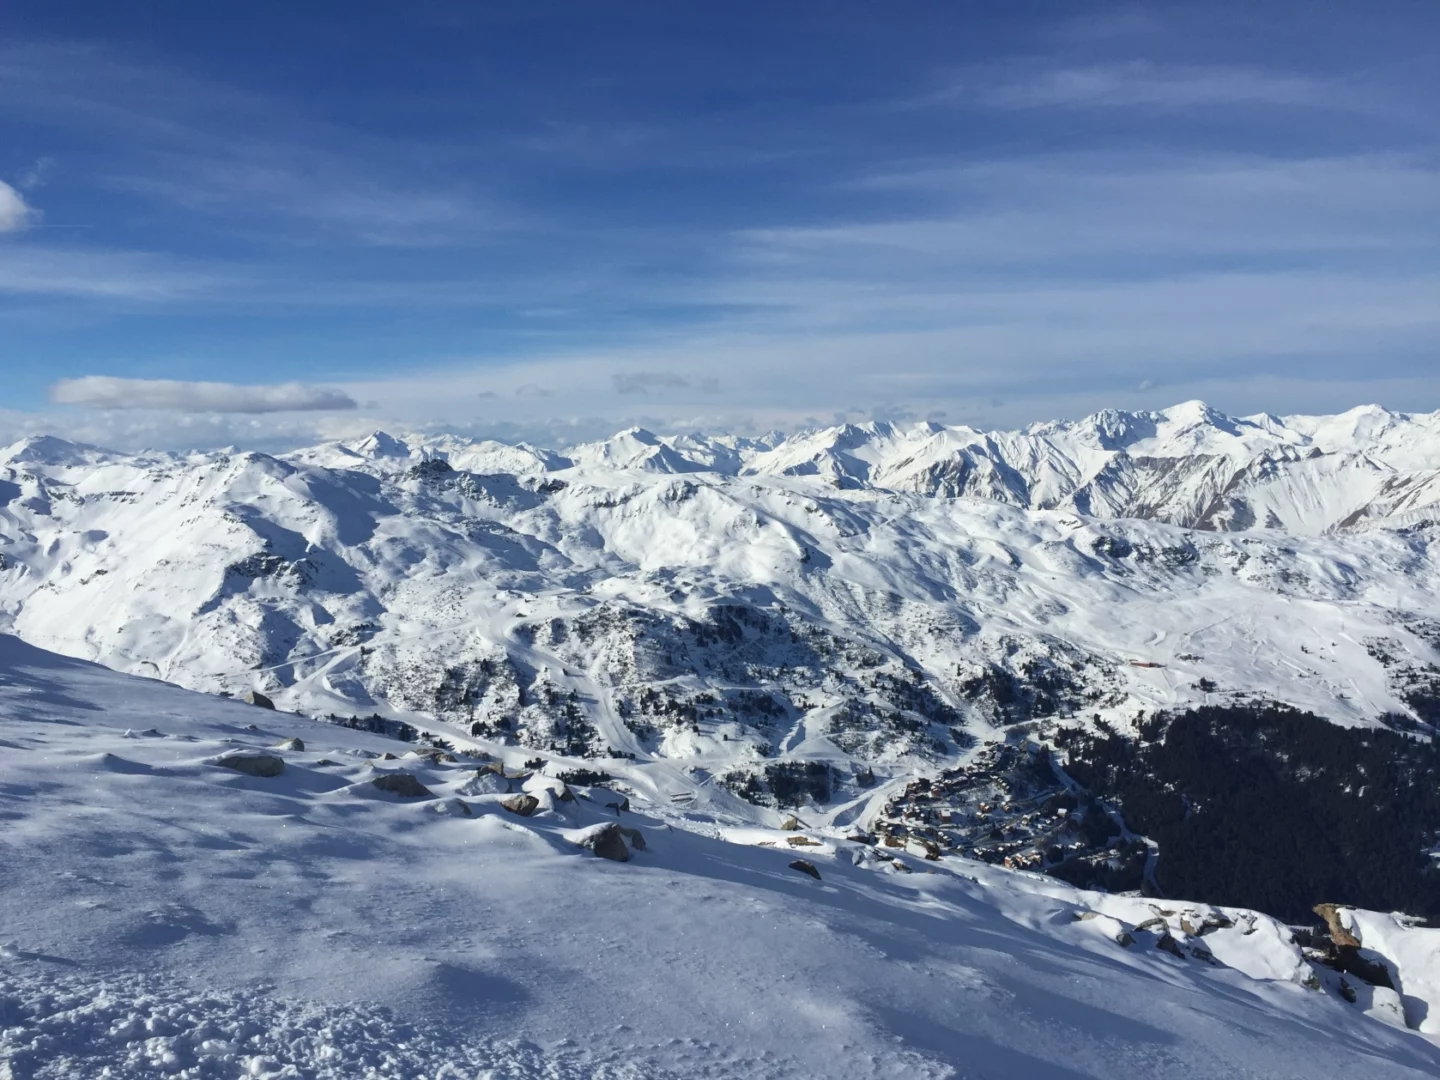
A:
x,y
1170,945
403,784
254,697
252,763
805,866
524,805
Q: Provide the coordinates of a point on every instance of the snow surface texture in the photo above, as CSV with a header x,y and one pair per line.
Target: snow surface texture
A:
x,y
163,915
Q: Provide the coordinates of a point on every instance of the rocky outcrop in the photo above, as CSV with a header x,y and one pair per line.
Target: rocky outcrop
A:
x,y
606,841
524,805
403,784
1339,948
252,763
1342,937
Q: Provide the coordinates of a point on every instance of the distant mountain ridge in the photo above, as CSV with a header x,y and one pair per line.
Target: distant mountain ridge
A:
x,y
1187,465
908,587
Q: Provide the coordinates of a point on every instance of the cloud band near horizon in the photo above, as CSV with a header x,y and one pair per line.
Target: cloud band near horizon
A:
x,y
106,392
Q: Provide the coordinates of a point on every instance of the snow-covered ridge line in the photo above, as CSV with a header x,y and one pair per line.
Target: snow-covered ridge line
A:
x,y
590,601
1189,464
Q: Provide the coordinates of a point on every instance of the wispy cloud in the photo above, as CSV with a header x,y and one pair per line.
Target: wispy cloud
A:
x,y
1145,83
193,143
106,392
1043,210
330,194
28,269
38,173
640,382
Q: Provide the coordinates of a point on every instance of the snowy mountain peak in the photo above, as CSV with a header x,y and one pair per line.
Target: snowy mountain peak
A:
x,y
49,450
381,445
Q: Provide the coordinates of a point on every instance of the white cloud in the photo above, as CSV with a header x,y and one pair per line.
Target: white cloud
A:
x,y
107,392
15,213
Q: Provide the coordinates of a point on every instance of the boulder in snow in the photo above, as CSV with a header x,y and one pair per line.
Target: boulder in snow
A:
x,y
605,840
1167,943
403,784
524,805
252,763
805,866
254,697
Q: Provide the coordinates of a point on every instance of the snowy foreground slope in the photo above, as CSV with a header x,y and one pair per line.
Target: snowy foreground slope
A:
x,y
161,914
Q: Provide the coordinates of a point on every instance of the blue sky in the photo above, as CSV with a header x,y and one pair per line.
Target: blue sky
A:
x,y
552,220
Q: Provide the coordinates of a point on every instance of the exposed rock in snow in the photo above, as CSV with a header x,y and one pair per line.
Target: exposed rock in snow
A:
x,y
605,840
1340,934
524,805
252,763
403,784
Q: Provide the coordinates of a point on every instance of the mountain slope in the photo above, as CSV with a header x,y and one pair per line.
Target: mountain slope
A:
x,y
164,914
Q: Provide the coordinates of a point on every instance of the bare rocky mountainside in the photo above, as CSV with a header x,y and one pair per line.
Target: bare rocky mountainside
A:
x,y
818,620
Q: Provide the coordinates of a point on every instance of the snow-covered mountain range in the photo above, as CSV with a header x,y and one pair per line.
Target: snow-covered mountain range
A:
x,y
873,596
881,629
